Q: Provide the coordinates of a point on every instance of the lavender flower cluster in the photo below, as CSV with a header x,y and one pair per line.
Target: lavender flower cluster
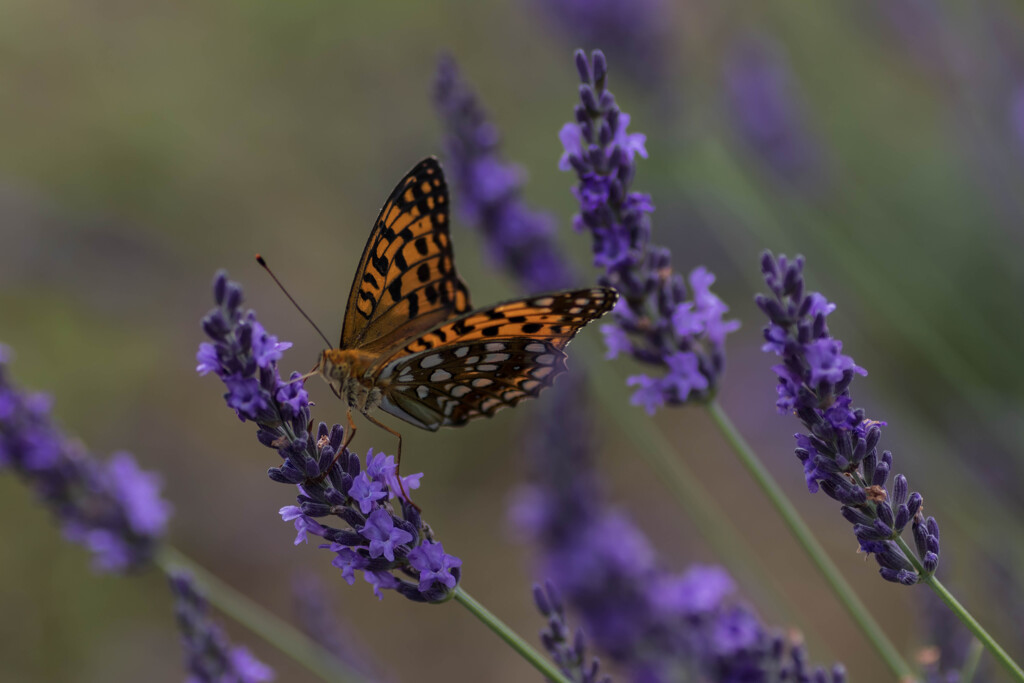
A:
x,y
209,656
332,481
114,508
517,238
656,624
570,656
839,450
658,320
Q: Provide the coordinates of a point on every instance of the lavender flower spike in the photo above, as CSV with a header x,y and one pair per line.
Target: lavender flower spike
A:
x,y
517,238
332,482
113,508
209,657
839,451
569,655
659,320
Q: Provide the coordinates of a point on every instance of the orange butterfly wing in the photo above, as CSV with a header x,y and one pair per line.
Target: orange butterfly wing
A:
x,y
406,281
484,360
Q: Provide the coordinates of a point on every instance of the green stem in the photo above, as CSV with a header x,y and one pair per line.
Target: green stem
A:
x,y
971,661
858,612
260,620
979,632
539,661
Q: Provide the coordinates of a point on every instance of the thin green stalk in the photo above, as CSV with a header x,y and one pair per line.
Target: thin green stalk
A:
x,y
260,620
971,661
515,641
979,632
858,612
963,615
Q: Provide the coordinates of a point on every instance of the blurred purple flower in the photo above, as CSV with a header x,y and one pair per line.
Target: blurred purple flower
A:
x,y
632,32
655,624
839,451
113,508
659,321
209,655
489,190
765,112
331,481
318,619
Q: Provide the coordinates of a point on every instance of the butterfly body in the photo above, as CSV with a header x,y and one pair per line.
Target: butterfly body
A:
x,y
412,344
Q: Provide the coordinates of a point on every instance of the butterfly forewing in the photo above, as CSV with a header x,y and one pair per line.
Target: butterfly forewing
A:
x,y
406,281
485,360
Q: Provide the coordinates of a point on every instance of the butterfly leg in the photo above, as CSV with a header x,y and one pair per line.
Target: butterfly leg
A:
x,y
351,430
398,460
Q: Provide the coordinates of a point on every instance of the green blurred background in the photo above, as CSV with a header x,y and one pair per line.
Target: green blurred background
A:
x,y
143,146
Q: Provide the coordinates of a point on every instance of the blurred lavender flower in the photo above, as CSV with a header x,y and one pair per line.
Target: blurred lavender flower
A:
x,y
571,657
517,238
657,625
114,508
209,656
659,321
319,621
331,480
765,112
839,451
633,32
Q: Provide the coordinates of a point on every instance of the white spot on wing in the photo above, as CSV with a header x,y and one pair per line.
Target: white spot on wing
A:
x,y
472,360
487,368
481,382
536,347
489,403
422,391
405,378
440,375
546,359
530,385
460,391
582,302
544,301
461,351
431,360
494,346
496,357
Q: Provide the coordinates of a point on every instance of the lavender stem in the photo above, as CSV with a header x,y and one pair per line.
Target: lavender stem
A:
x,y
802,533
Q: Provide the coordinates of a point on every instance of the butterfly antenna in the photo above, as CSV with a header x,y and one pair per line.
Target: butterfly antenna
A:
x,y
259,260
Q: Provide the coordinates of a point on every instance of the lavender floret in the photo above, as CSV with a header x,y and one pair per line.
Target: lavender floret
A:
x,y
839,452
332,483
209,655
113,508
659,320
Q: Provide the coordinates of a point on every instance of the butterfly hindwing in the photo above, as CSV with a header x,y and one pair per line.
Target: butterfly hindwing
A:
x,y
406,281
484,360
454,383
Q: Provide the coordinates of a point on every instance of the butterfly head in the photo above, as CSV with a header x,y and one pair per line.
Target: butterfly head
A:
x,y
347,373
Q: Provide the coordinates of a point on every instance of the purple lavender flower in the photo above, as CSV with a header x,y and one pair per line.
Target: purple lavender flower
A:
x,y
318,620
112,508
657,625
571,657
765,112
839,452
633,32
209,656
659,321
489,190
331,480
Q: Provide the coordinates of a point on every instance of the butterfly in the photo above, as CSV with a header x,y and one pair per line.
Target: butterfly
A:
x,y
411,343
